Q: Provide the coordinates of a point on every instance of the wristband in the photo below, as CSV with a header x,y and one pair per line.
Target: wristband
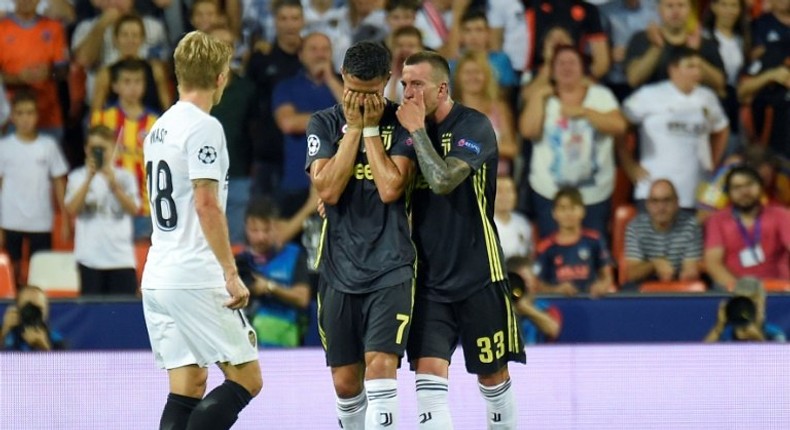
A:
x,y
370,131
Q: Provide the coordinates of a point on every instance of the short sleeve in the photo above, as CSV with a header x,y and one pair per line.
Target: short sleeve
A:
x,y
81,32
320,139
543,268
592,26
281,95
301,276
784,227
713,234
637,47
635,108
632,249
204,146
605,101
603,258
474,141
402,144
130,188
693,249
715,115
58,166
73,183
60,48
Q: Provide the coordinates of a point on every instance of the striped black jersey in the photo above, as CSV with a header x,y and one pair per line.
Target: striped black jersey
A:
x,y
455,235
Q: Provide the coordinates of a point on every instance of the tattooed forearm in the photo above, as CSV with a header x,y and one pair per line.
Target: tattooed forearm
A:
x,y
442,175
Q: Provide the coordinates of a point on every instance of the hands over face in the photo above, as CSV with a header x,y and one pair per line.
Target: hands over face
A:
x,y
411,114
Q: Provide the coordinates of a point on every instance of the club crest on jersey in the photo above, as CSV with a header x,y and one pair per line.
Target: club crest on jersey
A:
x,y
470,145
313,144
584,253
252,338
207,155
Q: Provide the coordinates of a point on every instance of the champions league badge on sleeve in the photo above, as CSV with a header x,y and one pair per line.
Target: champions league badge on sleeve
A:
x,y
207,155
313,145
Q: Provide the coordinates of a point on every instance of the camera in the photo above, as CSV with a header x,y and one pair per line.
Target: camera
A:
x,y
31,315
97,152
517,285
740,311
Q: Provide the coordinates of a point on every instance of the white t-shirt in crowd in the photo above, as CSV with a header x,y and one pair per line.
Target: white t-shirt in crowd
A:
x,y
674,135
571,152
508,15
184,144
27,170
515,236
103,236
430,36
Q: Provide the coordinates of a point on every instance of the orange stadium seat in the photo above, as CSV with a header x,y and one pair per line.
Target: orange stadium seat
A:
x,y
673,287
59,243
7,287
776,285
622,216
140,254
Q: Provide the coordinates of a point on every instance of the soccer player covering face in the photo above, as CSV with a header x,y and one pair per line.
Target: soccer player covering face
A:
x,y
192,294
361,163
462,289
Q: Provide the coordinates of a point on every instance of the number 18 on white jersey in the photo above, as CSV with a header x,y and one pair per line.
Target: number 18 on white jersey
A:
x,y
184,144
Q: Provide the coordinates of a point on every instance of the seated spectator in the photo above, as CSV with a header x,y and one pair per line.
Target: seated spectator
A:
x,y
103,198
649,52
400,14
405,41
743,316
129,37
664,244
276,274
571,123
31,168
34,56
515,231
131,120
683,130
26,323
541,321
573,260
771,27
474,86
750,238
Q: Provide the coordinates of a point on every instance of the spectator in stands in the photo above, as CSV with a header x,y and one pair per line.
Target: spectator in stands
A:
x,y
259,22
129,38
509,32
649,51
405,41
276,274
236,111
131,120
34,55
314,88
31,168
5,107
541,321
752,324
683,129
515,231
438,21
541,76
59,10
750,238
621,20
475,38
400,14
266,69
205,15
771,28
579,18
664,244
573,259
26,323
571,123
103,198
320,16
359,20
474,85
92,41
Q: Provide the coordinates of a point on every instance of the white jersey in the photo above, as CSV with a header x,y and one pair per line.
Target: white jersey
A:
x,y
674,135
184,144
27,170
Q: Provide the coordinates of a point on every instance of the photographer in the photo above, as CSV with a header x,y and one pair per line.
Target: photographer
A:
x,y
103,198
742,317
25,323
541,321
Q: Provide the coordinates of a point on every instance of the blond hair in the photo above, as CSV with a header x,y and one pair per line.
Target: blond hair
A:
x,y
490,87
199,59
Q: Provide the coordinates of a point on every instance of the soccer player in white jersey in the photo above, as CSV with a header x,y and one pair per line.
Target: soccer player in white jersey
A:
x,y
192,294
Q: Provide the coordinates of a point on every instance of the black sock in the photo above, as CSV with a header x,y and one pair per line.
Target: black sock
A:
x,y
177,411
220,408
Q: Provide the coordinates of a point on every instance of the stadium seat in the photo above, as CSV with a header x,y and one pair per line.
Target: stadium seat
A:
x,y
7,287
140,254
776,285
237,248
673,287
622,216
55,272
623,188
58,243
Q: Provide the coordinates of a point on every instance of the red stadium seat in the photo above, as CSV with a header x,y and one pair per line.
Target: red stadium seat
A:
x,y
622,216
7,286
673,287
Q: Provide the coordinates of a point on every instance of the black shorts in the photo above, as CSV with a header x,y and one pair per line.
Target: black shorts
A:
x,y
352,324
485,323
38,242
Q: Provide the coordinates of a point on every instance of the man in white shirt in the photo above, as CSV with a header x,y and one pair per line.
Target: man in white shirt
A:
x,y
683,129
192,294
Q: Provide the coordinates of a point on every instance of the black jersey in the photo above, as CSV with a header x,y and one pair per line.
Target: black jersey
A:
x,y
456,238
365,244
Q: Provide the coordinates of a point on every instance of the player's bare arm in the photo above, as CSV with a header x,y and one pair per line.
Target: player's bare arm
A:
x,y
215,228
330,176
390,174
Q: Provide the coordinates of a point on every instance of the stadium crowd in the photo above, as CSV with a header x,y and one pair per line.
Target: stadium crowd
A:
x,y
644,145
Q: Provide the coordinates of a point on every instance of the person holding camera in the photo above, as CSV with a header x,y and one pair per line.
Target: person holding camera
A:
x,y
103,198
742,317
25,323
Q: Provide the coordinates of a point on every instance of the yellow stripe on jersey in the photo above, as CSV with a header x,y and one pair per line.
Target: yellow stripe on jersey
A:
x,y
321,333
494,262
321,244
512,332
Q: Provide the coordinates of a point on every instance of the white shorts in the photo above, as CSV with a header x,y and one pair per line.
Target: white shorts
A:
x,y
193,327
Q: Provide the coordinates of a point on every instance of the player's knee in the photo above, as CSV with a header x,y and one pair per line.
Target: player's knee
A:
x,y
347,384
380,365
495,378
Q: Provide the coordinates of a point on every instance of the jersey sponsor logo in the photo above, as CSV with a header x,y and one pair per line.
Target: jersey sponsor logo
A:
x,y
158,135
363,171
313,144
207,155
575,272
686,128
584,253
470,145
773,36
